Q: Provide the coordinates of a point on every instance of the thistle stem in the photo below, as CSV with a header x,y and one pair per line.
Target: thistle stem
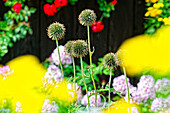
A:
x,y
91,68
110,84
82,70
59,58
74,67
124,71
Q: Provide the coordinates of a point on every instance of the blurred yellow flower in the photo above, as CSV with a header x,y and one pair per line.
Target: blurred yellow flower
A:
x,y
60,92
166,20
148,53
160,19
22,85
153,1
122,107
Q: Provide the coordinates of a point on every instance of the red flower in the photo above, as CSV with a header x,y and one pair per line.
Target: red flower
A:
x,y
114,2
60,3
97,26
50,10
16,7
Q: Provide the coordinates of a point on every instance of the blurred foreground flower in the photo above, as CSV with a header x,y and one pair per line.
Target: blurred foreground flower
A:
x,y
49,107
23,84
122,107
148,53
61,93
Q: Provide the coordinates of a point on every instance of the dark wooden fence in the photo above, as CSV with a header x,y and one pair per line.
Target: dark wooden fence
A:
x,y
126,21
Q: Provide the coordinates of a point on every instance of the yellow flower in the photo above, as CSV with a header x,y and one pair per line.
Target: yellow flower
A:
x,y
154,1
121,107
158,12
150,8
166,21
148,53
160,19
21,85
61,93
146,14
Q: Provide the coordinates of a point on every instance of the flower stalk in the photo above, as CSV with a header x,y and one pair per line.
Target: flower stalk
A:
x,y
124,71
59,58
82,70
91,65
74,67
110,84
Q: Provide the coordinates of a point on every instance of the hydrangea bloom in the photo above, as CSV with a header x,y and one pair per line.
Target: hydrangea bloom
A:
x,y
18,108
78,89
65,59
158,104
53,74
162,86
91,99
49,107
119,84
5,71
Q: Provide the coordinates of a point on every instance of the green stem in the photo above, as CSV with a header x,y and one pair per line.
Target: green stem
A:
x,y
59,58
101,18
110,84
82,70
124,71
91,65
74,67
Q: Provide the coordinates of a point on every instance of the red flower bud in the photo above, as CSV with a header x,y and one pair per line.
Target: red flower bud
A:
x,y
16,7
114,2
97,26
50,10
60,3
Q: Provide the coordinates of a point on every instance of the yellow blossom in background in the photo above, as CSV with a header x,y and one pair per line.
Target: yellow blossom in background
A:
x,y
148,53
158,5
60,92
23,84
153,1
122,107
166,20
160,19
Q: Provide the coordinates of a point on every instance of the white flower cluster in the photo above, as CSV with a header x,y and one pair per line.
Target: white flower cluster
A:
x,y
91,99
5,71
65,59
78,90
49,107
162,86
160,104
18,108
53,75
119,84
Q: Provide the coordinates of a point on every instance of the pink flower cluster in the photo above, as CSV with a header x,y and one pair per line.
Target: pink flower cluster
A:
x,y
53,75
160,104
119,84
91,99
5,71
78,89
49,107
162,86
65,59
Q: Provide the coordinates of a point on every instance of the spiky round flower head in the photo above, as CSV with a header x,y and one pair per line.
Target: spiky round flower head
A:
x,y
87,17
109,60
67,48
56,31
79,48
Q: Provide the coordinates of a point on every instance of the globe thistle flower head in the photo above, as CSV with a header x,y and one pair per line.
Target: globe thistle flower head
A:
x,y
109,60
56,31
87,17
67,48
79,48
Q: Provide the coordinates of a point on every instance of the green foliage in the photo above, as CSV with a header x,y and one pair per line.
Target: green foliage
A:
x,y
14,26
105,7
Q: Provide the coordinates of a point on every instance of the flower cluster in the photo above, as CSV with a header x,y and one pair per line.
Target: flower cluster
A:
x,y
65,59
160,104
152,1
5,71
155,10
53,75
97,26
50,10
119,84
49,107
18,108
162,86
78,90
166,20
91,99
